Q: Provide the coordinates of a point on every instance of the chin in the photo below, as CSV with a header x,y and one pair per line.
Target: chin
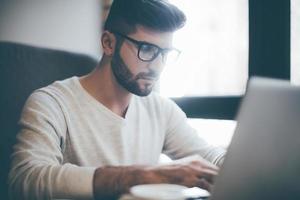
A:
x,y
143,93
139,90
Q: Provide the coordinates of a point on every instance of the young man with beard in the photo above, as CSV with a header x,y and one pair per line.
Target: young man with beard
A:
x,y
98,135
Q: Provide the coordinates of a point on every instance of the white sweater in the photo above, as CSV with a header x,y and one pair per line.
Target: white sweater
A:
x,y
66,134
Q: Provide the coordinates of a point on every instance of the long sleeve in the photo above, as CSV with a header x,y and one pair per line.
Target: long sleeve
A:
x,y
182,140
37,169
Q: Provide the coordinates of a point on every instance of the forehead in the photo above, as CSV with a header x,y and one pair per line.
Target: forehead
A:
x,y
161,39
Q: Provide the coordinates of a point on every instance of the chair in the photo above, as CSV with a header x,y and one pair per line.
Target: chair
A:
x,y
23,69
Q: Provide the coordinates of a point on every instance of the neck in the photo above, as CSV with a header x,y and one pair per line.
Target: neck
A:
x,y
102,85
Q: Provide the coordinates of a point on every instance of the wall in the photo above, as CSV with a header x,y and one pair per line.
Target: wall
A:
x,y
73,25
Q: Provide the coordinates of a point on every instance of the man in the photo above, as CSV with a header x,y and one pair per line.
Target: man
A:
x,y
98,135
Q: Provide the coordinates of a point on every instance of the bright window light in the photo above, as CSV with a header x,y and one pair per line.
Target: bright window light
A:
x,y
214,45
215,132
295,41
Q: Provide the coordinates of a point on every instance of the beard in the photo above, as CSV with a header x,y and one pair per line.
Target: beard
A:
x,y
127,80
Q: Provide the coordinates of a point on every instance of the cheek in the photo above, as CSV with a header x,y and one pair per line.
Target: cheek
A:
x,y
130,59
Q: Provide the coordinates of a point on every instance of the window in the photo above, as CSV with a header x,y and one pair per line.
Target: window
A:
x,y
295,42
214,45
214,60
228,42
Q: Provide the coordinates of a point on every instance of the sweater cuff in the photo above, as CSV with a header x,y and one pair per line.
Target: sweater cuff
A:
x,y
75,182
220,159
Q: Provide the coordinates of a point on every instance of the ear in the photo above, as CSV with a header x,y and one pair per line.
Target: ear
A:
x,y
108,41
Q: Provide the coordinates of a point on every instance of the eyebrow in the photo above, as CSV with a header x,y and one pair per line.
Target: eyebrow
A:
x,y
142,42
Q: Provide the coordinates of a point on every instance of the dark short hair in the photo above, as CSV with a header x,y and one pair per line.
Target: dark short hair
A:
x,y
157,15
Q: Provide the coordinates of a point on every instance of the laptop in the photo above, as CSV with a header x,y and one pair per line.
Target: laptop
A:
x,y
263,159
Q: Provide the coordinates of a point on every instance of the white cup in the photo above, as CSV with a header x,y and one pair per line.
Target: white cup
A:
x,y
158,192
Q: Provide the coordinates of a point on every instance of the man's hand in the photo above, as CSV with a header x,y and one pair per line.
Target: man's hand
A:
x,y
198,173
110,182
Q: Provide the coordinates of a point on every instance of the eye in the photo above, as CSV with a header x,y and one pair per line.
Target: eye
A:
x,y
148,52
146,48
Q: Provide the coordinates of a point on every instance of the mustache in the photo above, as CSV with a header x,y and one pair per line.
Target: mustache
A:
x,y
148,75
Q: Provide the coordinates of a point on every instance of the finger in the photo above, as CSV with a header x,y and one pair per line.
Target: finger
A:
x,y
207,174
204,184
201,169
204,164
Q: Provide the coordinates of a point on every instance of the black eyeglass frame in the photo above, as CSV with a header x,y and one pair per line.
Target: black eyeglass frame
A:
x,y
139,44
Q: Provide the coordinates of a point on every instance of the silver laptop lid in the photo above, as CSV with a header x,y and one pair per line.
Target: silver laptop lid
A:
x,y
263,159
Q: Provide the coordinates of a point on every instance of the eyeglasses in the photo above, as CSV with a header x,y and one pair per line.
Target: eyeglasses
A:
x,y
147,52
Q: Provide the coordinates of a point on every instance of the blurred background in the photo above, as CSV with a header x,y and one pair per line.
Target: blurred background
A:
x,y
72,25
